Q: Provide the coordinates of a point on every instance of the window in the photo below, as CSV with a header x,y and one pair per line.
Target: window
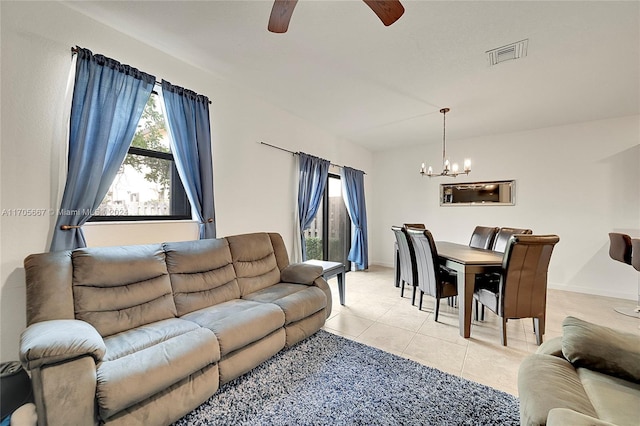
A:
x,y
329,236
147,185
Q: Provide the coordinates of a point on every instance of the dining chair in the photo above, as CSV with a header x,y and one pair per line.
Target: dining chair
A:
x,y
414,226
396,262
620,247
406,261
483,236
433,278
503,235
635,255
521,291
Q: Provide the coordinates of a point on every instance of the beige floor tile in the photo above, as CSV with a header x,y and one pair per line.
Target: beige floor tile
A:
x,y
437,353
386,337
349,325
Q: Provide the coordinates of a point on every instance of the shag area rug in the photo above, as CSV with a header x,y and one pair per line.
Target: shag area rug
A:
x,y
329,380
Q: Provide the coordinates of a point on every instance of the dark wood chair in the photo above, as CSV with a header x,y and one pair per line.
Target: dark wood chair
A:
x,y
503,235
620,247
433,279
396,267
635,254
521,291
483,236
406,261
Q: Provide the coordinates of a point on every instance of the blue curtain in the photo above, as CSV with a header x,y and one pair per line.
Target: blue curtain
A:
x,y
108,100
353,186
313,179
188,118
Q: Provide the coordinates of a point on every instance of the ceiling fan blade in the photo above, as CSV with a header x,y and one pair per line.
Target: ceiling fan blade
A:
x,y
281,15
388,11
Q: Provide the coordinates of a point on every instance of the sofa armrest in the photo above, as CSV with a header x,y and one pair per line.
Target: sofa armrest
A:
x,y
551,347
565,416
301,273
55,341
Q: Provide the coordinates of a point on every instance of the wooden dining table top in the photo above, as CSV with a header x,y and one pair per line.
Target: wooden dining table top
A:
x,y
468,255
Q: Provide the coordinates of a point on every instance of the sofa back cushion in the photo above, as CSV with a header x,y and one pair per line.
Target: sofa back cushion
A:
x,y
254,261
201,274
120,288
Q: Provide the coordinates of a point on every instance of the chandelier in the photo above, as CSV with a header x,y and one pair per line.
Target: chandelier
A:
x,y
451,170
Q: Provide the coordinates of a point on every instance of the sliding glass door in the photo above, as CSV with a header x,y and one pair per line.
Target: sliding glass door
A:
x,y
329,237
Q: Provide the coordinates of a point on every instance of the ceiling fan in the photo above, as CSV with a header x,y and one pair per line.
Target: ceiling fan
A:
x,y
388,12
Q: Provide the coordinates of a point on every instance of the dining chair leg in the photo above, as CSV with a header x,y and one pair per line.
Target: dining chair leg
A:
x,y
413,296
503,330
437,308
475,310
537,328
402,288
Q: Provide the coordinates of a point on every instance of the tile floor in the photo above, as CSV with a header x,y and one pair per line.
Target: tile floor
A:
x,y
376,315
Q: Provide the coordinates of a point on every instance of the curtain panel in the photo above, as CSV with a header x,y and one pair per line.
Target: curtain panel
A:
x,y
188,120
353,193
108,100
311,184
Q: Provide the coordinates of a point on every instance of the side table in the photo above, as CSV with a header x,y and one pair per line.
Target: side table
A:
x,y
330,270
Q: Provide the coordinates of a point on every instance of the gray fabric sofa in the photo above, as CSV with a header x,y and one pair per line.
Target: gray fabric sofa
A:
x,y
589,376
142,335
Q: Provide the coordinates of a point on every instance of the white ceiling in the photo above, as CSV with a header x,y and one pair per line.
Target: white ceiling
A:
x,y
339,67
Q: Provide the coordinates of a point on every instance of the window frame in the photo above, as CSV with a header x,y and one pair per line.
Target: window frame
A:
x,y
179,199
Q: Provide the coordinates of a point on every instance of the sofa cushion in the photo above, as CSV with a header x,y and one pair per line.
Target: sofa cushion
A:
x,y
601,348
564,417
238,323
137,376
201,274
546,382
120,288
301,273
254,261
298,301
145,336
615,400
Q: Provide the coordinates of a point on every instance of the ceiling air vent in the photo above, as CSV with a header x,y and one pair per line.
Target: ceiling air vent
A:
x,y
506,53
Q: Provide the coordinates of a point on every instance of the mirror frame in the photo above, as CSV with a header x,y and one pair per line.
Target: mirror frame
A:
x,y
474,185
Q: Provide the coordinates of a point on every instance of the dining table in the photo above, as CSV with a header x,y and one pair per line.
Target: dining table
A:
x,y
467,262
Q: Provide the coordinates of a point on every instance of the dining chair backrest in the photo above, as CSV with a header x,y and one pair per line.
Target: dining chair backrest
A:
x,y
406,256
523,285
502,237
483,236
414,226
620,247
427,262
635,253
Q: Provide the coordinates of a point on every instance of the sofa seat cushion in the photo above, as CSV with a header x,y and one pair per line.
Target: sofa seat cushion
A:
x,y
546,382
146,336
137,376
615,400
237,323
298,301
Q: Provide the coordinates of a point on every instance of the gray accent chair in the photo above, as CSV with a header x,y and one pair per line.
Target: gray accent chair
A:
x,y
142,335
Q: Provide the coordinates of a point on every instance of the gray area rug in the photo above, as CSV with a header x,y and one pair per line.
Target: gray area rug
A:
x,y
330,380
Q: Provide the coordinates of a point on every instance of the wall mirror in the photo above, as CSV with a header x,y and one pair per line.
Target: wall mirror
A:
x,y
494,193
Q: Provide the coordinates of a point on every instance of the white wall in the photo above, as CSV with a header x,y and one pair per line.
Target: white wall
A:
x,y
578,181
253,183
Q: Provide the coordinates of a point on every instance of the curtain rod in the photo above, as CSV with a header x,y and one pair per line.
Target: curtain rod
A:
x,y
74,51
294,153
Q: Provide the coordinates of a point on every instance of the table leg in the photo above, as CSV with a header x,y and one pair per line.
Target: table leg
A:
x,y
341,287
465,302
